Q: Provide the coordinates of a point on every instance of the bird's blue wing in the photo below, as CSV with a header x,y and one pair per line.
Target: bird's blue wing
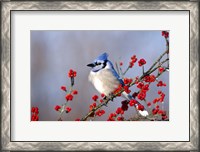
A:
x,y
115,73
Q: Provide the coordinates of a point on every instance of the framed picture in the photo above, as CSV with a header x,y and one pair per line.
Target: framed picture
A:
x,y
106,76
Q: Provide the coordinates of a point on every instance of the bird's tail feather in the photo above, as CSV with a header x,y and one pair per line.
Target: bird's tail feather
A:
x,y
129,97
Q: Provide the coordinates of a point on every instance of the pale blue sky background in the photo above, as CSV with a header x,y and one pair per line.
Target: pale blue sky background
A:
x,y
53,53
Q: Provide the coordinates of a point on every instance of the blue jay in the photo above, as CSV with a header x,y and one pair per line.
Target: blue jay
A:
x,y
106,80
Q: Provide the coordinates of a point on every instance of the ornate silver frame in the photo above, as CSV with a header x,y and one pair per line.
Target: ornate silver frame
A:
x,y
7,6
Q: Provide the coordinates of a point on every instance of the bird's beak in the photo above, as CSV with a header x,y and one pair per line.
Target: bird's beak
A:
x,y
91,65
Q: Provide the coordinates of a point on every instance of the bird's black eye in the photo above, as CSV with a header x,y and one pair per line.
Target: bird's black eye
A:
x,y
98,63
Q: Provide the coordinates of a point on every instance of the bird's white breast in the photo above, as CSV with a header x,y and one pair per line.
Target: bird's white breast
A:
x,y
104,81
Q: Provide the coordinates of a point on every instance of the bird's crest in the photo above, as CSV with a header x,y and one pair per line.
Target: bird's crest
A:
x,y
103,56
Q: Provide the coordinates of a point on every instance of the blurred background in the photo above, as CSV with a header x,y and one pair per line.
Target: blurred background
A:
x,y
53,53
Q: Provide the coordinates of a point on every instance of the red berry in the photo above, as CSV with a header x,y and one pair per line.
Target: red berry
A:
x,y
33,109
57,107
140,107
68,109
36,110
117,91
152,78
69,97
36,118
141,95
141,62
111,115
102,95
100,112
111,119
121,63
160,112
95,97
75,92
63,88
164,113
154,111
156,100
91,107
133,58
103,111
33,117
94,104
77,119
71,73
119,111
140,85
147,78
126,81
132,102
145,87
165,34
149,104
161,69
120,118
162,96
101,100
160,84
164,117
131,64
126,89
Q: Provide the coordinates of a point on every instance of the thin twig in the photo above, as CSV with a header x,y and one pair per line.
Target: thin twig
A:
x,y
117,68
126,70
158,60
161,63
121,73
143,69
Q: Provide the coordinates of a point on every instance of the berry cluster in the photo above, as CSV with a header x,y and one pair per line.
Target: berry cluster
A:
x,y
143,90
127,81
160,84
133,60
165,34
99,112
150,78
71,73
141,62
34,114
69,94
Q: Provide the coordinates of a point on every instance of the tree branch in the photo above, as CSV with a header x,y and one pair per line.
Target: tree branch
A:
x,y
148,72
105,101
